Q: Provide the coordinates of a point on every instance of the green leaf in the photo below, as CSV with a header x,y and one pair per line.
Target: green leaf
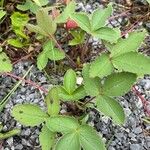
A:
x,y
101,67
89,139
15,42
132,43
79,36
100,16
42,60
108,34
49,52
2,14
118,84
52,52
52,101
69,9
29,114
78,94
41,2
56,54
69,141
18,19
46,138
63,124
36,29
91,85
29,5
5,62
132,62
45,22
110,108
70,81
82,20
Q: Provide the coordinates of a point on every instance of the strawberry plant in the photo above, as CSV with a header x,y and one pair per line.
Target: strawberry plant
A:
x,y
111,74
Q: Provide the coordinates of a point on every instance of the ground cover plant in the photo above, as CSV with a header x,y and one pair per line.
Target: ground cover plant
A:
x,y
107,76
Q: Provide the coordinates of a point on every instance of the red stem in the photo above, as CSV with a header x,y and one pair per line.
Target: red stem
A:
x,y
27,81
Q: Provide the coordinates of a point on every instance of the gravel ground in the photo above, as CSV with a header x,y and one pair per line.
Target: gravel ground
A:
x,y
134,135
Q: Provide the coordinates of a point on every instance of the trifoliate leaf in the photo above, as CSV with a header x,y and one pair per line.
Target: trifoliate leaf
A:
x,y
63,124
46,138
101,67
118,84
108,34
132,62
29,114
82,20
78,94
99,17
111,108
70,81
89,139
5,63
69,141
132,43
91,85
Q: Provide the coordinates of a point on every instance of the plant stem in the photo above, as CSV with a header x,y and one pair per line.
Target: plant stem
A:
x,y
9,134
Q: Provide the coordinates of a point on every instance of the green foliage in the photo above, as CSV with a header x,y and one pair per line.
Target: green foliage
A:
x,y
63,124
118,84
18,22
29,5
111,74
45,24
46,138
70,81
101,66
99,17
130,44
69,141
91,85
132,62
5,62
78,35
96,24
28,114
111,108
52,101
89,139
65,15
49,52
69,91
2,14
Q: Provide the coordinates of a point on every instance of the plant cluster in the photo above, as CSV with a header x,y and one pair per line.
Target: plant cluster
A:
x,y
109,75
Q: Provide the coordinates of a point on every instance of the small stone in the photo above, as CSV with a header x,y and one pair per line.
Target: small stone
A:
x,y
135,147
137,130
19,147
